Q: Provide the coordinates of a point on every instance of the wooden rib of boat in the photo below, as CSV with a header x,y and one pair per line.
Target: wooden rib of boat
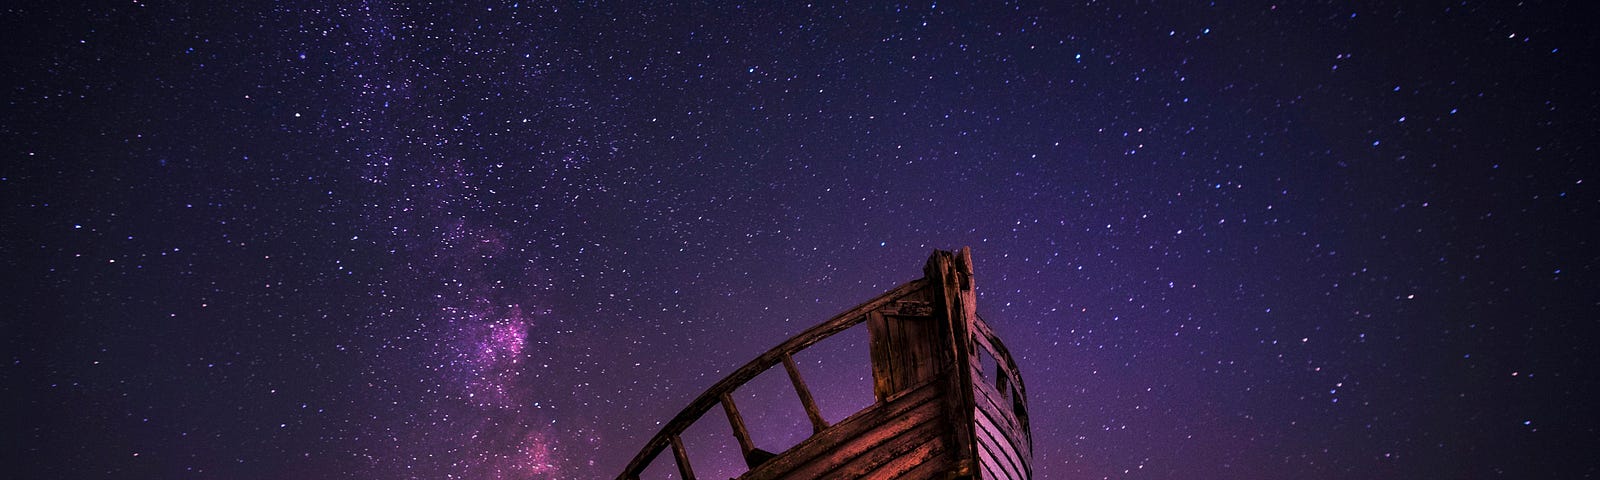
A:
x,y
938,414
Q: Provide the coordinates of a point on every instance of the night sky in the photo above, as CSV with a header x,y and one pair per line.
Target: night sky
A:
x,y
503,240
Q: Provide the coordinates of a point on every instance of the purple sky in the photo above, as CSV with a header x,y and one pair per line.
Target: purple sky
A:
x,y
506,240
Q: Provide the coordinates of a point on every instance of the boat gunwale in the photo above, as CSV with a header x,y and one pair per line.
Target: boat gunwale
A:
x,y
712,396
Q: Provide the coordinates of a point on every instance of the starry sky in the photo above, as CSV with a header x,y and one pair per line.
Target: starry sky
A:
x,y
495,240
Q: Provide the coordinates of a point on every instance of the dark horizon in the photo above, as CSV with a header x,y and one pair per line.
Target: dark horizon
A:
x,y
507,240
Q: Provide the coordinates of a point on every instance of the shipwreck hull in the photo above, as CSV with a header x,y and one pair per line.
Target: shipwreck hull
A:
x,y
949,402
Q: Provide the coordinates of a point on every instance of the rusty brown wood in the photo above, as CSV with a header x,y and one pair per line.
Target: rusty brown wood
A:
x,y
737,422
930,430
709,398
858,435
1002,356
1016,408
901,466
800,389
976,419
920,341
905,351
878,337
682,456
949,276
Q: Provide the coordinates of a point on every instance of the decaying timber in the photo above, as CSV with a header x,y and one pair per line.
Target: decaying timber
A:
x,y
938,414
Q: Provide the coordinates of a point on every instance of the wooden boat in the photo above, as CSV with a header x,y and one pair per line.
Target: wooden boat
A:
x,y
938,413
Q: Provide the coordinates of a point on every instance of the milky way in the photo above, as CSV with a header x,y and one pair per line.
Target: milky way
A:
x,y
509,240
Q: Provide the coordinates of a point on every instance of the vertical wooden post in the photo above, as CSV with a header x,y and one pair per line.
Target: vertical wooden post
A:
x,y
682,456
950,278
810,404
737,422
878,336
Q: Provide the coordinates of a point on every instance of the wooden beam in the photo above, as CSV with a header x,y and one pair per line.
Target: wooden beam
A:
x,y
737,422
810,404
880,348
682,456
855,437
950,278
709,398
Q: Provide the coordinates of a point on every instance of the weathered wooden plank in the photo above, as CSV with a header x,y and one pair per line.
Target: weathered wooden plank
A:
x,y
1015,436
938,466
806,401
932,452
1000,449
1001,354
897,354
682,456
868,441
909,308
900,445
740,433
955,311
903,351
1008,381
849,437
987,465
1015,442
882,364
922,360
1019,409
811,336
988,399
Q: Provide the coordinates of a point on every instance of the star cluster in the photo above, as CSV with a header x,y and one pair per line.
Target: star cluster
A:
x,y
506,239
